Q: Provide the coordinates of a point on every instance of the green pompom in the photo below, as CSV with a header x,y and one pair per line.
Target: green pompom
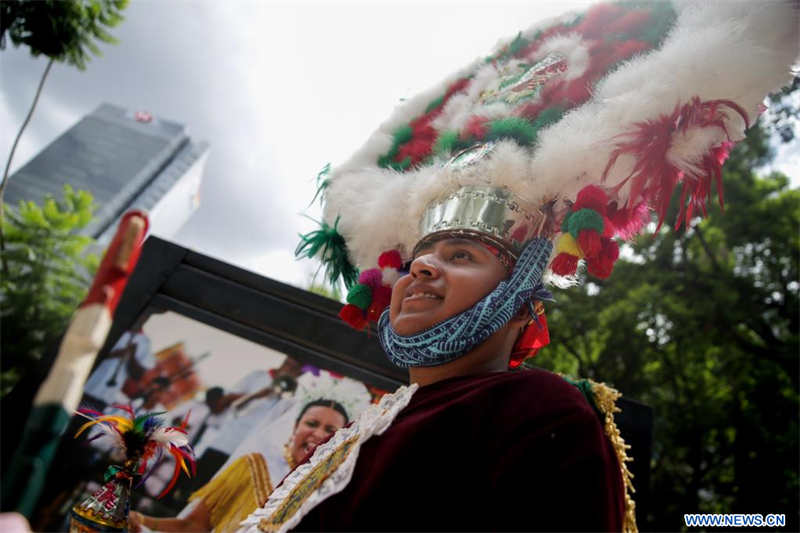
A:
x,y
329,247
515,128
585,219
360,295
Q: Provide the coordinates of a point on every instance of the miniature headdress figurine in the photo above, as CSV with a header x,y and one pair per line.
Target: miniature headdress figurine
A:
x,y
142,440
572,132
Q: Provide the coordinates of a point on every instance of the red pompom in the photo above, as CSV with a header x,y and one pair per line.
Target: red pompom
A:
x,y
610,249
598,268
374,312
390,259
353,316
608,227
381,297
589,241
591,197
602,265
564,264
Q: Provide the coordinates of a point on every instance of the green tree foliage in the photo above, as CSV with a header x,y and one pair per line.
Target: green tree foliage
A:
x,y
63,30
702,325
50,273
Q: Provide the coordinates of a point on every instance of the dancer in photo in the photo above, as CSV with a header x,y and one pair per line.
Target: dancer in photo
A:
x,y
261,461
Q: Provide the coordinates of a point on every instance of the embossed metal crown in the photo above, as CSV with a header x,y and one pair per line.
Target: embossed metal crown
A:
x,y
491,214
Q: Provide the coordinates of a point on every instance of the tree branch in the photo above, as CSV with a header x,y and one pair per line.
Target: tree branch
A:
x,y
707,248
11,157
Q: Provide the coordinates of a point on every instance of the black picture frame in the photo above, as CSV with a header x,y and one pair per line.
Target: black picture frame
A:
x,y
301,324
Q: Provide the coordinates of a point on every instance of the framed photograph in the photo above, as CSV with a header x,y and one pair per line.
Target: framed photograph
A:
x,y
247,365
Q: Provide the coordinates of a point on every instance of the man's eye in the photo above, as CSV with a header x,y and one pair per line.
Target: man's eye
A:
x,y
312,423
461,254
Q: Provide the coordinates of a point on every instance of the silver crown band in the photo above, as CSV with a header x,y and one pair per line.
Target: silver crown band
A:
x,y
492,214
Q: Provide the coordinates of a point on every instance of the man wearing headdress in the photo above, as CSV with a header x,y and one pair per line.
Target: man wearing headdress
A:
x,y
515,171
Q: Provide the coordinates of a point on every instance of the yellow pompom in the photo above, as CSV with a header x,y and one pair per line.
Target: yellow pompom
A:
x,y
567,244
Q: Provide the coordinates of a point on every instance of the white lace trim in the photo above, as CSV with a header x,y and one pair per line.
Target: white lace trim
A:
x,y
374,421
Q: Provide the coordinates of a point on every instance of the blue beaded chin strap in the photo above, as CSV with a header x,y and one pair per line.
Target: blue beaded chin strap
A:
x,y
459,334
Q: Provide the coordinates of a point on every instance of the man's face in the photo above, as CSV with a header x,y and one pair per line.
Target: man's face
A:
x,y
446,277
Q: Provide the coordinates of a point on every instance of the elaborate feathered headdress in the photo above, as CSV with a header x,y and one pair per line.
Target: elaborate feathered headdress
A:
x,y
143,439
574,130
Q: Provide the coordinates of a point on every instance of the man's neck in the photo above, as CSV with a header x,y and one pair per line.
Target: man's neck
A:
x,y
489,356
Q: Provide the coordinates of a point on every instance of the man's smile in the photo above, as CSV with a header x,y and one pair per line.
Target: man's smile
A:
x,y
420,295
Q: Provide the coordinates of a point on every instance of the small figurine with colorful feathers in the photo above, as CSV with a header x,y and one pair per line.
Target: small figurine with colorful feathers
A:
x,y
143,440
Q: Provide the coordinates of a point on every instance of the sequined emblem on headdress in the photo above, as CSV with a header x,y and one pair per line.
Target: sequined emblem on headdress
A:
x,y
524,81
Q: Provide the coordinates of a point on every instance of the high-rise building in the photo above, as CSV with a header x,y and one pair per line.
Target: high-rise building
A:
x,y
126,160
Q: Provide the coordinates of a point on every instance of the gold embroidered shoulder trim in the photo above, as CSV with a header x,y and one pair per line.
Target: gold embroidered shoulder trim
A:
x,y
300,493
605,398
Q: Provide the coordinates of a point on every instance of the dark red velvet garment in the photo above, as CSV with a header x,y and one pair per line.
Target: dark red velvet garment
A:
x,y
519,451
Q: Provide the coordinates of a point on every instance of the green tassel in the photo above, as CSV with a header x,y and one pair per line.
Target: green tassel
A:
x,y
322,184
328,245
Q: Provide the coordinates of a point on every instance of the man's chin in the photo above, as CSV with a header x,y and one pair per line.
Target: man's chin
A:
x,y
410,324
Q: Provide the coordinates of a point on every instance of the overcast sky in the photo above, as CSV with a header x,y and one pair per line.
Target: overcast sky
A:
x,y
277,91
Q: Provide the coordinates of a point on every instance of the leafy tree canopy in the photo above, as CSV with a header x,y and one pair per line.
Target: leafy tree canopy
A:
x,y
702,325
49,274
63,30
